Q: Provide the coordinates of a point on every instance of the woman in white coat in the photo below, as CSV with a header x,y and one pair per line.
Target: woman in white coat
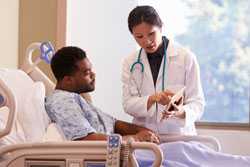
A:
x,y
154,73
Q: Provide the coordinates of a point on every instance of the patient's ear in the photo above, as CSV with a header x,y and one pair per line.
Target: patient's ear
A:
x,y
67,79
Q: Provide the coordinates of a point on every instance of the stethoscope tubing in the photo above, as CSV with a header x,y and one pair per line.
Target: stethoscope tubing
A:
x,y
138,61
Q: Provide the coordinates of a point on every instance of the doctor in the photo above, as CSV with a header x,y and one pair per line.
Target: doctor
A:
x,y
155,72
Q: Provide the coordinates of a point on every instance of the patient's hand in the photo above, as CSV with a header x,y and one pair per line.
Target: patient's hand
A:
x,y
147,135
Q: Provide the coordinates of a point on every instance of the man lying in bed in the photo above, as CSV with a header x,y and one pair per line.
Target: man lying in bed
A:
x,y
78,119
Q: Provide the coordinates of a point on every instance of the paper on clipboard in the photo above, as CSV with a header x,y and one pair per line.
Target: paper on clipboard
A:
x,y
176,100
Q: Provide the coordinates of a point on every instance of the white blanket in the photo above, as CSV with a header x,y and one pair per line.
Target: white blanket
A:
x,y
192,154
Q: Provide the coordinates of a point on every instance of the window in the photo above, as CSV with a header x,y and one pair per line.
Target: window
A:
x,y
218,32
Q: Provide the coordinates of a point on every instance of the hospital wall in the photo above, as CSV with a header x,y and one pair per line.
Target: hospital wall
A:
x,y
9,33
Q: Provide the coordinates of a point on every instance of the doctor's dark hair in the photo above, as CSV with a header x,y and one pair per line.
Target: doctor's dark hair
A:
x,y
145,14
64,61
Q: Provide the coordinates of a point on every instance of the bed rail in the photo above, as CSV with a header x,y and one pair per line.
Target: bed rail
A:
x,y
13,154
8,100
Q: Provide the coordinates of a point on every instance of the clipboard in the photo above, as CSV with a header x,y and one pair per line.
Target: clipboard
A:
x,y
176,100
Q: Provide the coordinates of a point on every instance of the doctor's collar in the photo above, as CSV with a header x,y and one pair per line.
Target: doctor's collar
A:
x,y
160,51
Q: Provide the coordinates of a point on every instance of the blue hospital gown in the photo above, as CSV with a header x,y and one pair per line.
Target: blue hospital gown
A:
x,y
75,116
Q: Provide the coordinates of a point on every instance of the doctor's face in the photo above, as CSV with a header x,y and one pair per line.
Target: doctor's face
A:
x,y
83,80
148,36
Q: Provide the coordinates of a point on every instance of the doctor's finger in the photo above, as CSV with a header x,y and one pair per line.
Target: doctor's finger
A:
x,y
165,99
168,93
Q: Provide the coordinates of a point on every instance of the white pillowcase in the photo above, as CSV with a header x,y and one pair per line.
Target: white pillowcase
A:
x,y
32,115
16,135
31,119
53,133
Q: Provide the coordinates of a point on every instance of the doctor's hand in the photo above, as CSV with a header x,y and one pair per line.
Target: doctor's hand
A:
x,y
162,98
148,136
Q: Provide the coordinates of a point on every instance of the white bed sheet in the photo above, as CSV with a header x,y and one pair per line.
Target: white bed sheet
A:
x,y
192,154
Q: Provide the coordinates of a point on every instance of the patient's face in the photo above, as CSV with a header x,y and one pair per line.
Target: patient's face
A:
x,y
84,79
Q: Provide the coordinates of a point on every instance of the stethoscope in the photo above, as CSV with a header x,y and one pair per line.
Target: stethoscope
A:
x,y
141,65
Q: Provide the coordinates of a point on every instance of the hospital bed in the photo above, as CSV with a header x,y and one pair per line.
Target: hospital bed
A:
x,y
29,139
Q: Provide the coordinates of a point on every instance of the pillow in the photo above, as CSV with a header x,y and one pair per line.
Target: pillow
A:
x,y
16,135
53,133
31,119
31,114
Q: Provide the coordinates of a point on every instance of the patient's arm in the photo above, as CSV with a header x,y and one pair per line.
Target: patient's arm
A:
x,y
137,132
94,136
98,136
125,128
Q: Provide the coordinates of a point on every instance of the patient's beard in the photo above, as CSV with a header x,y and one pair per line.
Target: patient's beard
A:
x,y
85,89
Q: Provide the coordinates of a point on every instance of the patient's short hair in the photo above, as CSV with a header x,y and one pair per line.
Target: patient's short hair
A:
x,y
145,14
64,62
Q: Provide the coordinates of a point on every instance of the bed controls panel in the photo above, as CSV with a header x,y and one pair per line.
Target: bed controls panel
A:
x,y
94,163
45,163
65,163
113,150
74,163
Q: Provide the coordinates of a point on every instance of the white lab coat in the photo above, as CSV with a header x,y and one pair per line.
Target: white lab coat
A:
x,y
182,70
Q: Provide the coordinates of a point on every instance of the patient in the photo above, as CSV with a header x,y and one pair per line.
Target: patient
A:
x,y
78,119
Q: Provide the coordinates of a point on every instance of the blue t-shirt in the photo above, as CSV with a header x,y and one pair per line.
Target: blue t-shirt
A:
x,y
75,116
